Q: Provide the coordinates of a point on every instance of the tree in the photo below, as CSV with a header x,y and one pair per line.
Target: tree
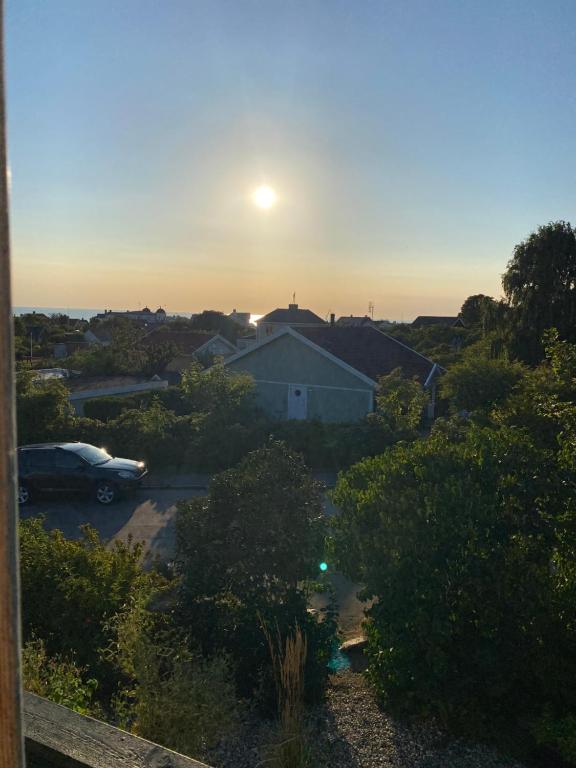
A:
x,y
465,547
257,533
479,382
71,590
400,404
540,286
243,552
475,309
157,357
211,320
216,390
43,409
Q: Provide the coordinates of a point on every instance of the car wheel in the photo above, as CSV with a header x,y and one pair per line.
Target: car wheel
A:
x,y
105,493
24,496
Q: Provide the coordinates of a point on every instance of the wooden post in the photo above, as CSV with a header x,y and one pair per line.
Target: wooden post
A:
x,y
11,742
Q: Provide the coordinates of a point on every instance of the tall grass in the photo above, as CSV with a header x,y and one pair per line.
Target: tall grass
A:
x,y
288,661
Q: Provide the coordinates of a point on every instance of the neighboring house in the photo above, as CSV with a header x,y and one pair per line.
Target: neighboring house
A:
x,y
243,342
328,372
82,390
293,317
242,318
354,322
98,336
190,346
142,315
424,320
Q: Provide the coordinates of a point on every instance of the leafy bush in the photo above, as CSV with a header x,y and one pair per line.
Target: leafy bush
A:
x,y
43,410
150,434
480,382
71,590
56,679
467,547
174,696
244,551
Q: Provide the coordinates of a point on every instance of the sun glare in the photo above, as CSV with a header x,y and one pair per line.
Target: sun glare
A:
x,y
264,197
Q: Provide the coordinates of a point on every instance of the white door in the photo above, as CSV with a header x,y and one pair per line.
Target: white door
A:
x,y
297,402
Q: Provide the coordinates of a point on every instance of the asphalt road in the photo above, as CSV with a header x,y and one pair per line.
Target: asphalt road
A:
x,y
147,517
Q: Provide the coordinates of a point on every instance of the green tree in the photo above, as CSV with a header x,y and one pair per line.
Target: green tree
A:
x,y
540,286
475,310
479,382
243,552
43,410
157,357
216,390
71,590
257,533
461,543
210,320
400,404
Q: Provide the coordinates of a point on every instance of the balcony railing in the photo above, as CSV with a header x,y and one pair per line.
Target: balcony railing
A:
x,y
57,737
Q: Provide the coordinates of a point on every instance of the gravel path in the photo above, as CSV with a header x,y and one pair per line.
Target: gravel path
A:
x,y
351,731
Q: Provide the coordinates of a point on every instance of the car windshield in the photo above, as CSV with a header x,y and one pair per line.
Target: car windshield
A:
x,y
93,455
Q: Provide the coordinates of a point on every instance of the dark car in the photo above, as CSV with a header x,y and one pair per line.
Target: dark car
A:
x,y
75,467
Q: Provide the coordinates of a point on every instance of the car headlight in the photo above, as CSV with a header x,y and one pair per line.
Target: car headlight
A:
x,y
126,475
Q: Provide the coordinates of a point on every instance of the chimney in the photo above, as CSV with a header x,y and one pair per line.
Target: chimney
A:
x,y
293,306
332,319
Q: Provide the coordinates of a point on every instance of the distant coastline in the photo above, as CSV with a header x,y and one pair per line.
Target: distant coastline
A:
x,y
77,313
84,313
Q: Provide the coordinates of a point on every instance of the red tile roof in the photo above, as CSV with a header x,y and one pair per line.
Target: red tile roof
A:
x,y
369,351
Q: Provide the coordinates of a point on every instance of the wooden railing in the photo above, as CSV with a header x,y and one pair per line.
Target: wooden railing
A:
x,y
57,737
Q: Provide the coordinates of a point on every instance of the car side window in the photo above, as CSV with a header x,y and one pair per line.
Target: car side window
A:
x,y
40,459
66,460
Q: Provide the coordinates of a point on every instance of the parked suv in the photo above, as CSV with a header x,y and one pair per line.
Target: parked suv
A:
x,y
75,467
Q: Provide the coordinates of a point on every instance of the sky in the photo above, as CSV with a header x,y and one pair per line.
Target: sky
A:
x,y
411,145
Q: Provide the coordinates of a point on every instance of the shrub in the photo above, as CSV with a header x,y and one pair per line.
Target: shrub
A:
x,y
467,548
43,410
71,589
174,696
56,679
245,550
480,382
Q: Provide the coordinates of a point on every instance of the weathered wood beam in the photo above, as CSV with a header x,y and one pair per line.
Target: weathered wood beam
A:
x,y
11,745
57,737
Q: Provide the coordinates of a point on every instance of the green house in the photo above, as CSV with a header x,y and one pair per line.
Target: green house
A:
x,y
328,372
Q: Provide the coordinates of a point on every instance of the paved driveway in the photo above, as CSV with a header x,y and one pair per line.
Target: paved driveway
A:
x,y
148,517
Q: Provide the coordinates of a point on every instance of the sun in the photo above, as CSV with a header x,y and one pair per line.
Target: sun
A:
x,y
264,197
